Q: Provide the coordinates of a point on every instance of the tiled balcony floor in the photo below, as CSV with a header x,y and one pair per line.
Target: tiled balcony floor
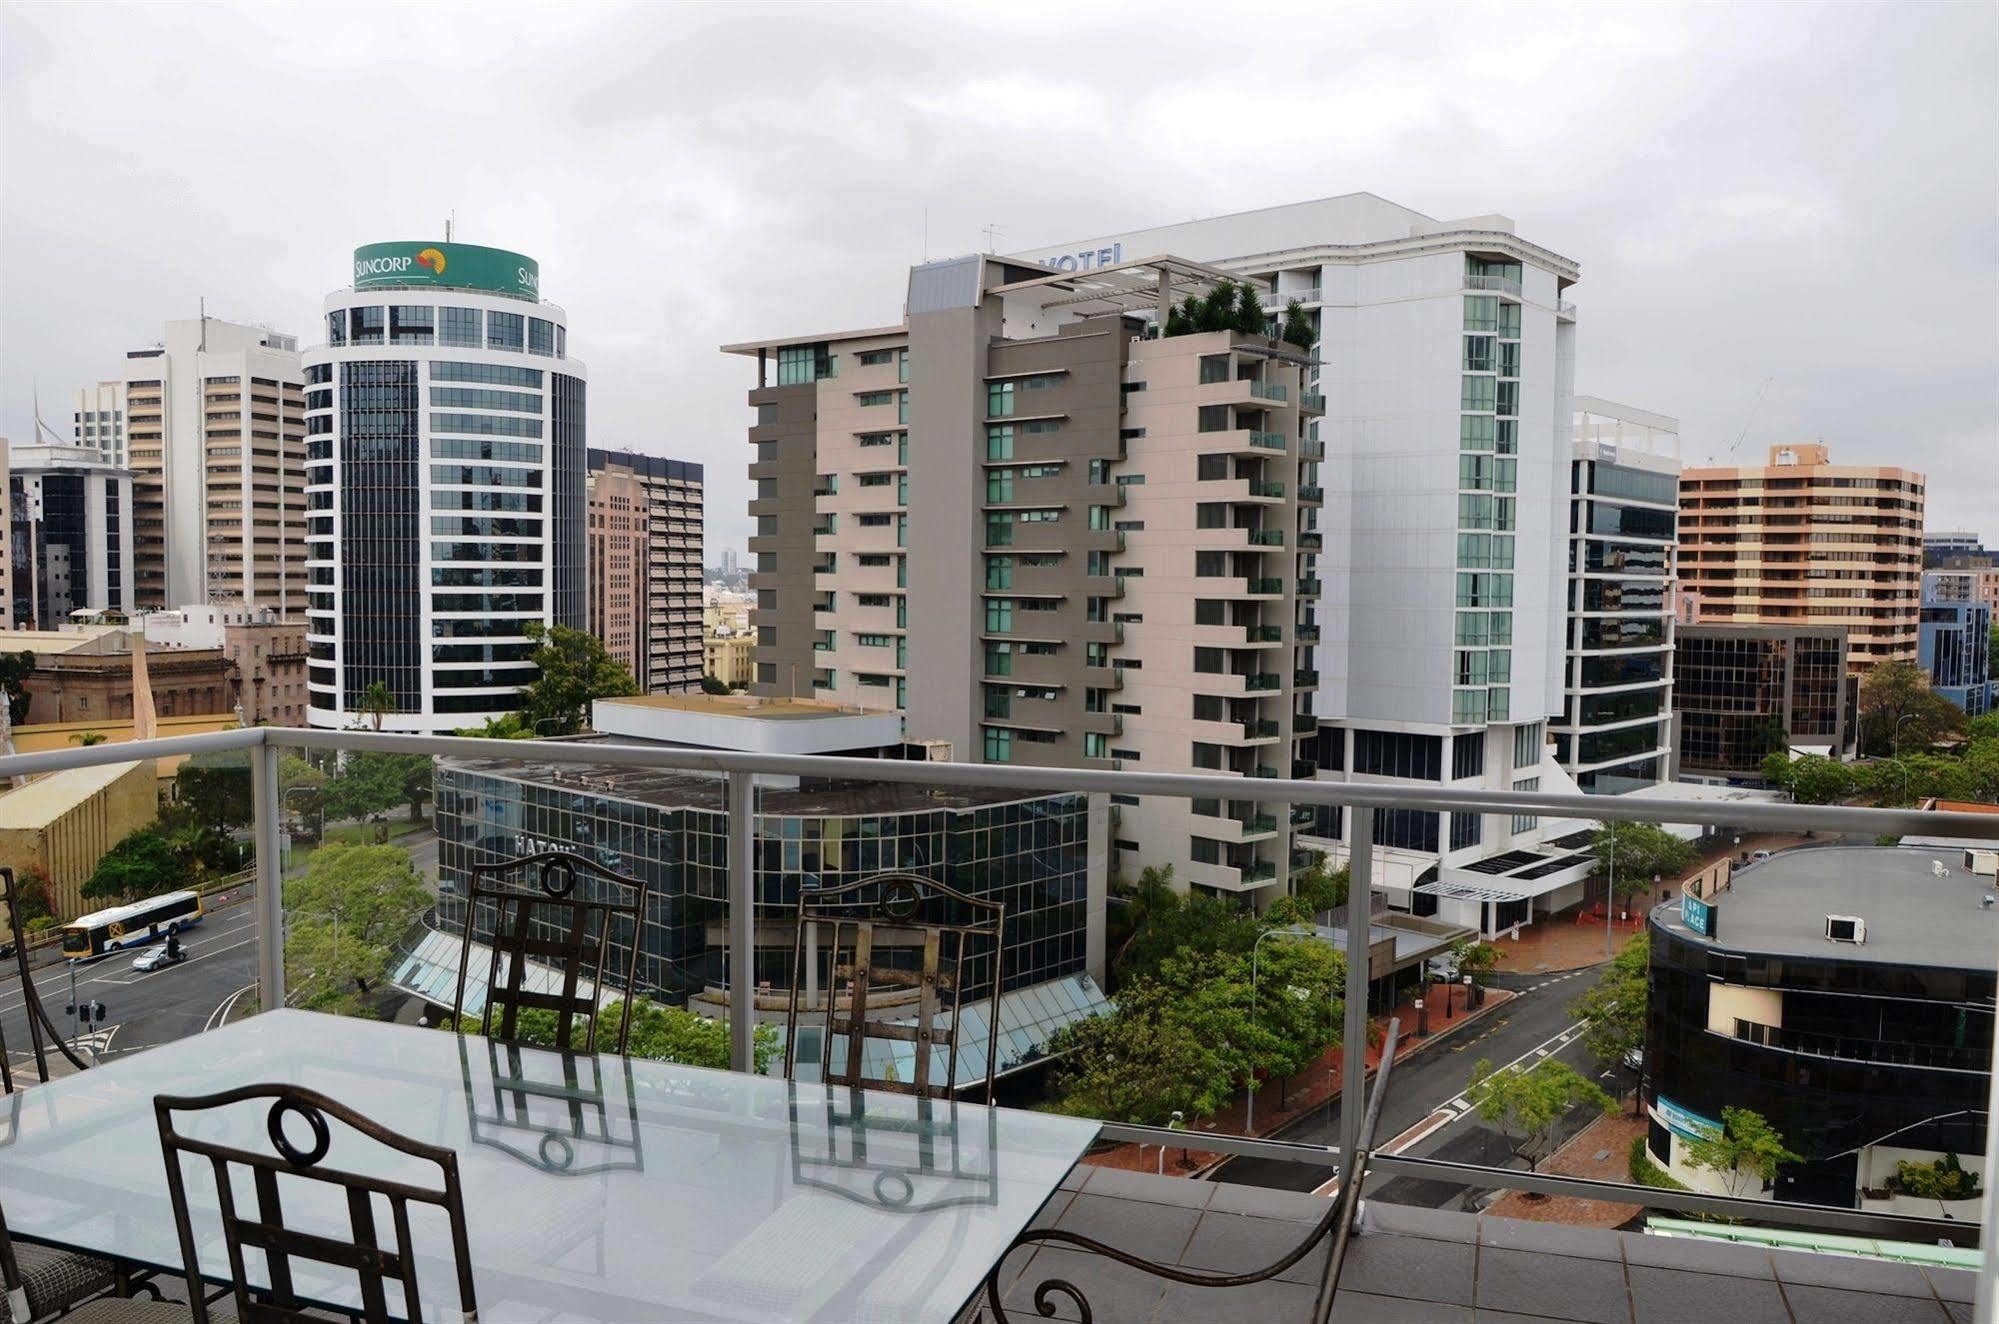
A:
x,y
1426,1266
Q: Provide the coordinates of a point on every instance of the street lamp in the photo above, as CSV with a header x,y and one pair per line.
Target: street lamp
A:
x,y
1293,931
1895,740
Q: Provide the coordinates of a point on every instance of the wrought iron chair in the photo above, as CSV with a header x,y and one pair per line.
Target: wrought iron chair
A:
x,y
359,1250
920,1157
861,937
552,924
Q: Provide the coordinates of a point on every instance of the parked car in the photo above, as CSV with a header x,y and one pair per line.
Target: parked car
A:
x,y
159,958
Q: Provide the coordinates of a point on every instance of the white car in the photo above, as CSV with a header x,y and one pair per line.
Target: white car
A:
x,y
158,958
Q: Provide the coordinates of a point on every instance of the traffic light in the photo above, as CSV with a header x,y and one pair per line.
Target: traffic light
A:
x,y
69,1009
97,1011
173,946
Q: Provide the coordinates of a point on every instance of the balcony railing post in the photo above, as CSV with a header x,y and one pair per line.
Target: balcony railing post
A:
x,y
742,921
1988,1266
1360,923
270,901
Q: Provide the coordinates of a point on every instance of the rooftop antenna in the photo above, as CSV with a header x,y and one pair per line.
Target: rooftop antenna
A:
x,y
926,234
204,324
992,231
448,219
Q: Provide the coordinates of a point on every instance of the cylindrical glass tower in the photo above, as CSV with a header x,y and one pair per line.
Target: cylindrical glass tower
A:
x,y
445,487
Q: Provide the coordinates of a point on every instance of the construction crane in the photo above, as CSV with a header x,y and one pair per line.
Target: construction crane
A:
x,y
1754,405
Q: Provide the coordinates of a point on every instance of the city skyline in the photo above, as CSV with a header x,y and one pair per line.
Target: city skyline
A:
x,y
1708,237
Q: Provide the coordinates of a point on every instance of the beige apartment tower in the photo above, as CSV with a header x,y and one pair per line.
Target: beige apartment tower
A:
x,y
215,428
1106,537
645,566
1804,541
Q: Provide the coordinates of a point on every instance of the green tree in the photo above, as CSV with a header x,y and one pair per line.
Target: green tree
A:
x,y
1298,1004
710,685
1140,1065
507,726
1613,1008
140,865
1198,921
1319,888
1297,326
1250,319
1526,1104
1474,958
378,701
576,669
15,669
1943,1180
1811,780
343,917
88,738
1899,711
33,896
1639,850
1746,1146
216,794
1138,904
371,783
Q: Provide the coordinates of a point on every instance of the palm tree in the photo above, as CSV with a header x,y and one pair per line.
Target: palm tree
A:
x,y
377,700
88,738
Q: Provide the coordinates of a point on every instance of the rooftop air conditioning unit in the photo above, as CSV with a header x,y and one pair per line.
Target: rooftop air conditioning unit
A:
x,y
1845,928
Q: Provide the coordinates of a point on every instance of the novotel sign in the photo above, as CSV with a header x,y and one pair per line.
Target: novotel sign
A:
x,y
447,266
1087,260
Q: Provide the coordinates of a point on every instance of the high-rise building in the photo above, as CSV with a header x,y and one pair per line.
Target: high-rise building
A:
x,y
70,518
215,431
99,422
1445,355
1801,541
1047,536
1615,730
446,476
1744,692
1955,640
663,601
618,543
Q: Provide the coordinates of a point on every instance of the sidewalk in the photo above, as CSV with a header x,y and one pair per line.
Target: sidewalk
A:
x,y
1600,1151
1306,1093
1559,942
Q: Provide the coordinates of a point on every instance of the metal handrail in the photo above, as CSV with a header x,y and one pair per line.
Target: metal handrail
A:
x,y
1027,777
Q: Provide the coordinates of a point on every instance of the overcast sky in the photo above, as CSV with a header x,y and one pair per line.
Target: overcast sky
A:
x,y
1805,193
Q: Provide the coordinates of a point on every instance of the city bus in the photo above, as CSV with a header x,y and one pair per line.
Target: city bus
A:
x,y
109,930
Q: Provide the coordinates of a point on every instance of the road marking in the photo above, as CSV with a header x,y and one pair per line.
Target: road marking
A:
x,y
220,1016
55,980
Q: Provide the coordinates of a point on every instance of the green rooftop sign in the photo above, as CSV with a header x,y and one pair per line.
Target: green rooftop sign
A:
x,y
446,266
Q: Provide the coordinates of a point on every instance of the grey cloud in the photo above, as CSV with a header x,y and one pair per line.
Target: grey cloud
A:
x,y
1800,193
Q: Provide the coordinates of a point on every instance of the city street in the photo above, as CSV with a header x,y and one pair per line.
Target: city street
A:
x,y
1425,1113
146,1009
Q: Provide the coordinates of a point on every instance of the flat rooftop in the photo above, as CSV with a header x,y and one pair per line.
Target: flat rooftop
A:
x,y
668,788
1913,916
743,705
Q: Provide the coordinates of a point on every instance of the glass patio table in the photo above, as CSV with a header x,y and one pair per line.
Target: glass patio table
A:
x,y
596,1187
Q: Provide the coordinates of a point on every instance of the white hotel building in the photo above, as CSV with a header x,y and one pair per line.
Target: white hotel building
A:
x,y
1446,358
445,482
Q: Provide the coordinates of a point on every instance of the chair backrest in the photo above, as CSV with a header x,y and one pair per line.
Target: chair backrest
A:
x,y
374,1264
549,926
893,957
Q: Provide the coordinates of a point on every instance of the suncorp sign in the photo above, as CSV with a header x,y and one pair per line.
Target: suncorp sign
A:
x,y
456,266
